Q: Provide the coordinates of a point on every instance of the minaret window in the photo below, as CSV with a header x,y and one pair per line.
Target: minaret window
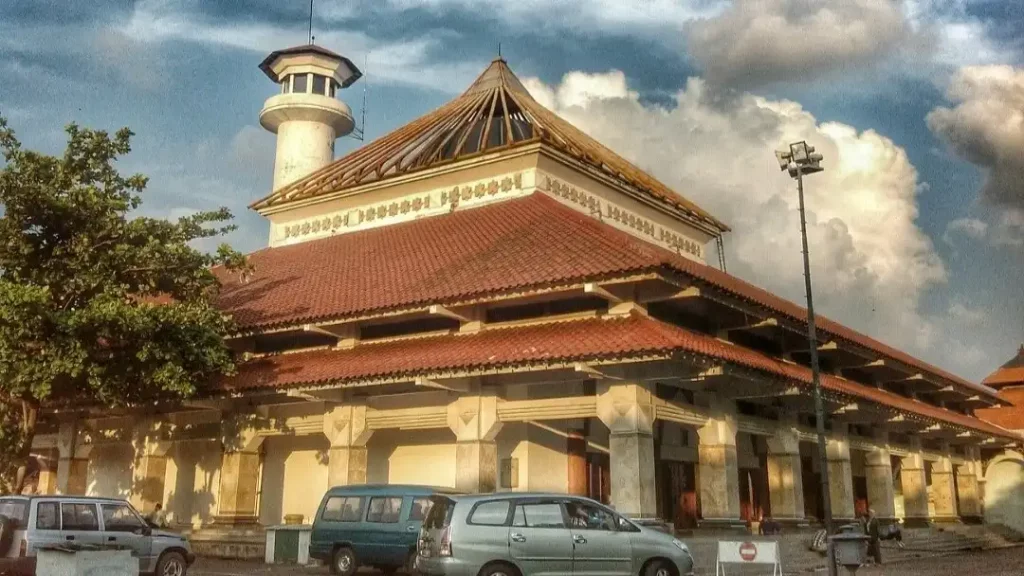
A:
x,y
299,83
319,85
332,86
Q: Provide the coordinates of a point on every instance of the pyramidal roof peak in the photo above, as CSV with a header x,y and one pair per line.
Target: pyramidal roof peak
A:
x,y
497,75
496,112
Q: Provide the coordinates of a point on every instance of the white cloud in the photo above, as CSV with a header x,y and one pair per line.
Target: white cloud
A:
x,y
871,264
986,127
404,61
970,227
762,41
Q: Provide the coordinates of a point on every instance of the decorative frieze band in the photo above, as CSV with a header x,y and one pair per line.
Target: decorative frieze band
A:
x,y
605,210
401,208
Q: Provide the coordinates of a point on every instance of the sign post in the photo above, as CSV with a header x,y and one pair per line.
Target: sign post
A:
x,y
749,552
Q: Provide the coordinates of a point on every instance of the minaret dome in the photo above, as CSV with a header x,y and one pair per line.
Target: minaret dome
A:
x,y
306,116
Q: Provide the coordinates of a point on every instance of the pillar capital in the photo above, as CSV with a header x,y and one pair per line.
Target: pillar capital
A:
x,y
345,425
475,418
625,407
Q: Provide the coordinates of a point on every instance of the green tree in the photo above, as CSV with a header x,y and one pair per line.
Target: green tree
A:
x,y
98,306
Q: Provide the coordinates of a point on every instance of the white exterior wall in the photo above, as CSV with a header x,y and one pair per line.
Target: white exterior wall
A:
x,y
302,148
294,477
424,457
110,471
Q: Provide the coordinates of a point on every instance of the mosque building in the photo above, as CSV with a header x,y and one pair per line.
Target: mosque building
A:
x,y
489,299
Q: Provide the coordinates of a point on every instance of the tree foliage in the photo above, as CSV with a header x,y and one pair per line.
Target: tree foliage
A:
x,y
99,306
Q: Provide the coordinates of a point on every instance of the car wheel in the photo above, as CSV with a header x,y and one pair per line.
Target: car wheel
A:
x,y
171,564
344,562
499,569
660,568
410,564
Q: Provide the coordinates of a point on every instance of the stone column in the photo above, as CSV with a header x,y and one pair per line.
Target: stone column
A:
x,y
474,420
943,491
718,470
785,480
967,493
878,467
73,450
840,474
150,467
576,456
239,473
345,428
47,460
627,409
915,488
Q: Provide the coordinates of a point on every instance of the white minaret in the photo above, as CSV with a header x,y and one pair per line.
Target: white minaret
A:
x,y
306,115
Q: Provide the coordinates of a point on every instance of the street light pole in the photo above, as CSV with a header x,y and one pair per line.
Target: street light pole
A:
x,y
801,159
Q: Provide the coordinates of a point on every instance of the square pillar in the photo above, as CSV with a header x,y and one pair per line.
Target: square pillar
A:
x,y
150,467
576,462
968,494
476,463
943,491
878,468
785,478
346,465
474,420
240,470
718,470
239,481
73,460
840,475
47,472
627,409
915,490
345,428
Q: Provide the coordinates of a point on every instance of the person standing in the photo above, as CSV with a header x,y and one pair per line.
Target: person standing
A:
x,y
157,518
871,530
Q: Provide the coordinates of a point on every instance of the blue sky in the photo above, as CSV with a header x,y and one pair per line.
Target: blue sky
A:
x,y
917,226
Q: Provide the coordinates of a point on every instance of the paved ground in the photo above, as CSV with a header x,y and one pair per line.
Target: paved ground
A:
x,y
1006,562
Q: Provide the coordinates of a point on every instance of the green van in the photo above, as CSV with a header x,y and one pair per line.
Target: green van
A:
x,y
370,525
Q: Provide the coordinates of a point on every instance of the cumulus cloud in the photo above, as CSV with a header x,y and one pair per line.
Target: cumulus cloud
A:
x,y
758,41
986,127
970,227
871,263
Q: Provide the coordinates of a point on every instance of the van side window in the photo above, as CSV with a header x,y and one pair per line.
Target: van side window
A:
x,y
79,517
47,517
420,508
490,513
343,509
539,515
385,510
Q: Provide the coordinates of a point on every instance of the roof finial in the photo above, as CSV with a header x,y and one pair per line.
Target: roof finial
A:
x,y
310,21
499,50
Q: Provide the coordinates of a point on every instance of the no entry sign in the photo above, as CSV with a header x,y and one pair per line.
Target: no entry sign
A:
x,y
748,552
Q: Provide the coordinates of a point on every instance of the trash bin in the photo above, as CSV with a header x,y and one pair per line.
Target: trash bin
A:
x,y
850,549
288,544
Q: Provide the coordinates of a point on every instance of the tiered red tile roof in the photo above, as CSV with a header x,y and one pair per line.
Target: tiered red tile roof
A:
x,y
549,344
516,245
1009,374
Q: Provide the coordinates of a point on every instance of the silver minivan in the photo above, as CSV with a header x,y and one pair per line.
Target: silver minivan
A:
x,y
517,534
28,523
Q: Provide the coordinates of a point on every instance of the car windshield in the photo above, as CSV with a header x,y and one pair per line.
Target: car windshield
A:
x,y
16,510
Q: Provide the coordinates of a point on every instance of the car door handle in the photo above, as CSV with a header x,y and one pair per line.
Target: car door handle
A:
x,y
579,539
111,539
69,538
517,537
410,528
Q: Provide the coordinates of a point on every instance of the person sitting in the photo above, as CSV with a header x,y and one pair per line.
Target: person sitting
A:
x,y
157,518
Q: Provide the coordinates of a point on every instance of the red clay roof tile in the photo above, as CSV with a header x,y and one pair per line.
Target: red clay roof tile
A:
x,y
547,344
514,245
